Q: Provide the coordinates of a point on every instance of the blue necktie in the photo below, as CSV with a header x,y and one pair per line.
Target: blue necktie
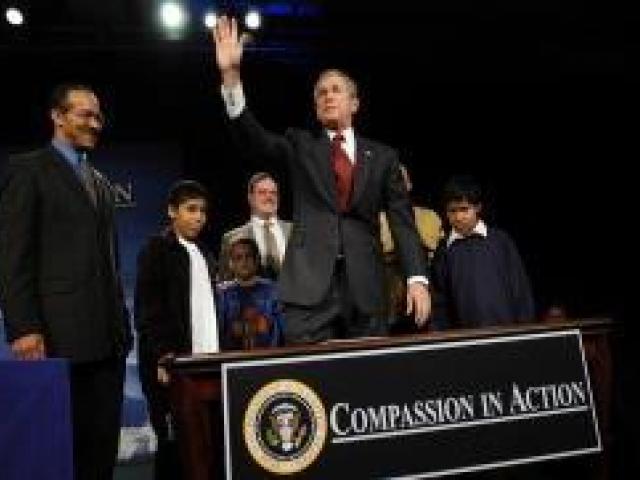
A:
x,y
83,170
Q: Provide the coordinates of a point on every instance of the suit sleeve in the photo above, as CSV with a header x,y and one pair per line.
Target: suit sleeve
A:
x,y
440,286
116,263
19,210
521,296
258,142
402,223
150,295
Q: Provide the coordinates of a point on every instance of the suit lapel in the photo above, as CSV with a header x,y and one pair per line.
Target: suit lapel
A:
x,y
249,232
286,229
321,166
364,156
64,170
181,258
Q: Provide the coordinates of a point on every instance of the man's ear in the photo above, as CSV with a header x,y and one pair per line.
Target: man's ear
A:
x,y
171,211
355,104
56,117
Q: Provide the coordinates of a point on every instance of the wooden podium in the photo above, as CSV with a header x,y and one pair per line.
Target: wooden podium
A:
x,y
196,390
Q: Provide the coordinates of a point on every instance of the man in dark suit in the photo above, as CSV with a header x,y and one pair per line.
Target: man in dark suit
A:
x,y
269,232
59,281
331,280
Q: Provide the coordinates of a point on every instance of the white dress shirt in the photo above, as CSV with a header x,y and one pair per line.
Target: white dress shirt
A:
x,y
204,326
348,144
479,229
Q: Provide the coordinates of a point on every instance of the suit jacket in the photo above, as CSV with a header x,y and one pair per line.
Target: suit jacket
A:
x,y
59,272
320,231
162,302
243,231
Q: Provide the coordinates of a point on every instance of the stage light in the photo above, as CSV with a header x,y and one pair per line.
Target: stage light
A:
x,y
253,19
172,15
14,16
210,19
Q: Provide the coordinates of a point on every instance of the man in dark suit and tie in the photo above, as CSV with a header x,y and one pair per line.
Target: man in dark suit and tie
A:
x,y
60,289
331,280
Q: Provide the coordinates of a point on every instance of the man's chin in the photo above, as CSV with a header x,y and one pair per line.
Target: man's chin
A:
x,y
330,123
88,144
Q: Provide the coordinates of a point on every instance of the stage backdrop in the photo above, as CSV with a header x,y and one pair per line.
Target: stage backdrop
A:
x,y
141,175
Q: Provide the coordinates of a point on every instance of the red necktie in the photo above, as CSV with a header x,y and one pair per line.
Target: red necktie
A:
x,y
343,171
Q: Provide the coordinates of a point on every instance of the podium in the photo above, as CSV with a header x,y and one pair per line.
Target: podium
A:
x,y
201,385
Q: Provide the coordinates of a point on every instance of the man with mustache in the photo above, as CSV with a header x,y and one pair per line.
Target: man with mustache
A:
x,y
331,279
60,290
264,226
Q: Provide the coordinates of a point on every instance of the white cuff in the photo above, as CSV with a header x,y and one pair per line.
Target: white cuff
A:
x,y
234,100
418,278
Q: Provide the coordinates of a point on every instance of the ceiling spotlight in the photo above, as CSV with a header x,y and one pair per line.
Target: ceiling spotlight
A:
x,y
14,16
253,19
172,15
210,19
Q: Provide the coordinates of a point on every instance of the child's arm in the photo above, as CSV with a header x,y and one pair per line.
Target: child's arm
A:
x,y
521,295
150,300
440,319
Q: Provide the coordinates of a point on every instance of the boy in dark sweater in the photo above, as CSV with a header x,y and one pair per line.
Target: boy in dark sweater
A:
x,y
478,276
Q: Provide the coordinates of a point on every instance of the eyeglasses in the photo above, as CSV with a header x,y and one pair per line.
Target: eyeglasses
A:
x,y
88,115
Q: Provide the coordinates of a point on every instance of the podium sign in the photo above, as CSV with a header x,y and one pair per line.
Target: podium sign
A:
x,y
416,411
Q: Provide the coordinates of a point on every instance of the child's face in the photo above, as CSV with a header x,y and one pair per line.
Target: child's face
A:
x,y
243,263
189,217
463,216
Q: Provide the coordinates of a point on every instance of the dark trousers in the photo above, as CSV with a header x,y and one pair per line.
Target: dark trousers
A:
x,y
166,465
96,405
337,316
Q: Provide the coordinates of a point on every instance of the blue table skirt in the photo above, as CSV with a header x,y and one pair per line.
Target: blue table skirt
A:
x,y
35,421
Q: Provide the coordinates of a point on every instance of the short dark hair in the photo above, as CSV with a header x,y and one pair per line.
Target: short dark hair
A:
x,y
251,243
351,83
257,178
60,94
460,188
184,190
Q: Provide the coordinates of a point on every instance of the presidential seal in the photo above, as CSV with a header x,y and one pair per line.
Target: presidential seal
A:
x,y
285,427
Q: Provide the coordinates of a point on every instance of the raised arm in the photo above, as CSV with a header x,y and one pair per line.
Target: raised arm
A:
x,y
228,47
247,132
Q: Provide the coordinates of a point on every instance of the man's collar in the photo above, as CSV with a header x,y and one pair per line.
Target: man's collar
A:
x,y
67,150
256,220
348,134
183,241
479,229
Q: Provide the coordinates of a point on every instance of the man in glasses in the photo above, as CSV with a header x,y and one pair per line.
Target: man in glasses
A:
x,y
60,290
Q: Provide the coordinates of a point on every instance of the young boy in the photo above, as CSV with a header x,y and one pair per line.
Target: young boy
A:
x,y
174,308
249,313
478,276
